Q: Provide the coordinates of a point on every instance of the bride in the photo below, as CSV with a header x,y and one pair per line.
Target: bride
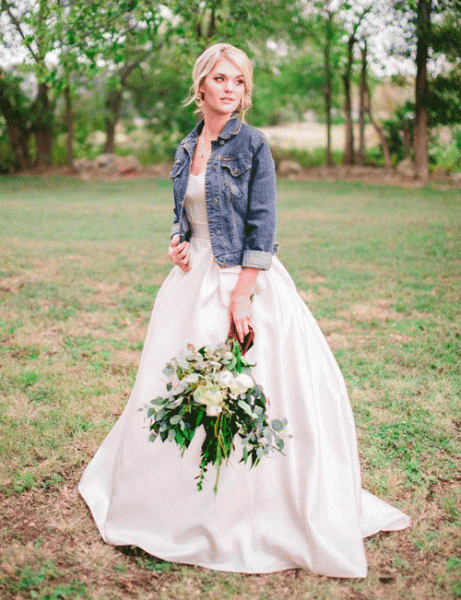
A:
x,y
304,509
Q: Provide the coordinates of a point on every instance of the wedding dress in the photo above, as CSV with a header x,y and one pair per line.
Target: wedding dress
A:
x,y
302,509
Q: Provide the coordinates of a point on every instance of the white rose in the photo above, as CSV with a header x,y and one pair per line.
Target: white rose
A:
x,y
212,397
226,378
213,411
245,381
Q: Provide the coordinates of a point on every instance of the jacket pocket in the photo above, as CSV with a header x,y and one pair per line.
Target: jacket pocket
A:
x,y
227,280
236,171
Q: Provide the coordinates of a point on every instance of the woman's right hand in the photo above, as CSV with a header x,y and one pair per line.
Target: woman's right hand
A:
x,y
180,253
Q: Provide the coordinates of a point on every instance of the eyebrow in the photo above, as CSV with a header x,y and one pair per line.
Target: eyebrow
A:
x,y
224,75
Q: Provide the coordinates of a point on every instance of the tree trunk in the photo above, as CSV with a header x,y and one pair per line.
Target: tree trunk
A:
x,y
379,130
42,115
327,86
19,141
17,130
113,103
362,92
421,91
69,120
349,141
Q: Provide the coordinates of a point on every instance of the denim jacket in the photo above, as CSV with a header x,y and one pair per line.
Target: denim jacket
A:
x,y
239,194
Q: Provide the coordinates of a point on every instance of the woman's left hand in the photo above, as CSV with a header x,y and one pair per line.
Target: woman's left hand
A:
x,y
240,314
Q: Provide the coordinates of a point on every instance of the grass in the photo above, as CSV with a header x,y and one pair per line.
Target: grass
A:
x,y
81,262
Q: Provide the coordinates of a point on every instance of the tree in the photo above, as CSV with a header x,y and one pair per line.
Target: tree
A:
x,y
317,24
30,23
15,107
423,26
354,15
436,36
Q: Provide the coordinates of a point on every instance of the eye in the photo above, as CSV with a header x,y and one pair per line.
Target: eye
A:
x,y
219,78
240,82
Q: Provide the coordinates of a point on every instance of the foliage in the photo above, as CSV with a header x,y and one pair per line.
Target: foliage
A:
x,y
446,156
306,158
211,387
445,99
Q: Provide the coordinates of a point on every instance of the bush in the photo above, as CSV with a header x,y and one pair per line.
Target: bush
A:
x,y
445,156
306,158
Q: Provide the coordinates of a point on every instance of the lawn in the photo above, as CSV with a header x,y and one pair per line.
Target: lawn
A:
x,y
81,262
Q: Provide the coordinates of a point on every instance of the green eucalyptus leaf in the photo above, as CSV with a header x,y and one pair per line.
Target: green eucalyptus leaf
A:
x,y
277,425
168,370
244,406
157,401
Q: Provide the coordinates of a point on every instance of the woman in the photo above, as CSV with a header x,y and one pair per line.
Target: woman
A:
x,y
303,509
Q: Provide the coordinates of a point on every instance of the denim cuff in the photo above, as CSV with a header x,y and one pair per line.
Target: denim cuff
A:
x,y
257,259
174,230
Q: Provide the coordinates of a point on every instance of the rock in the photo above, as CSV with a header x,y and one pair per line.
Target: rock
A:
x,y
127,165
106,163
406,167
288,168
82,164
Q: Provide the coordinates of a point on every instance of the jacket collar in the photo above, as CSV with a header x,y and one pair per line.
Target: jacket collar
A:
x,y
232,127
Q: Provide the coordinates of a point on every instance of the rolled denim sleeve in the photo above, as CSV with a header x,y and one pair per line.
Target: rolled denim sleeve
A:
x,y
260,225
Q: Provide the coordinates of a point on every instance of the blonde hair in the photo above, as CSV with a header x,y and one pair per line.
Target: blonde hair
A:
x,y
205,64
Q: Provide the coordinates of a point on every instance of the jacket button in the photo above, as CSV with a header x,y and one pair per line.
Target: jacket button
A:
x,y
218,233
221,142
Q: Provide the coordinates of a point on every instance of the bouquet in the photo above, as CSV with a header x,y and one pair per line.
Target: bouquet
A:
x,y
212,387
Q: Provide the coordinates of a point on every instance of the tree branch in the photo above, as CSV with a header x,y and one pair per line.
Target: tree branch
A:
x,y
7,7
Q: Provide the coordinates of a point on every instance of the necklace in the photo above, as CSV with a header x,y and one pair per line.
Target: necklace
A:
x,y
202,149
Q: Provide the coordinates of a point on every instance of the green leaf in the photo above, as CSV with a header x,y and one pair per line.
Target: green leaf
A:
x,y
169,386
152,437
168,370
199,417
280,444
244,406
277,425
157,401
260,452
175,419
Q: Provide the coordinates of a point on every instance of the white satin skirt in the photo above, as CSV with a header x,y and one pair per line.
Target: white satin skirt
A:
x,y
304,509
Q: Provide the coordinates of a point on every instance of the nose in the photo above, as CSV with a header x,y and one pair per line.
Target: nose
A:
x,y
230,85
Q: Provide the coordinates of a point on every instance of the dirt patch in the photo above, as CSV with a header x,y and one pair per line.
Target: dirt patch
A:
x,y
376,176
366,174
379,311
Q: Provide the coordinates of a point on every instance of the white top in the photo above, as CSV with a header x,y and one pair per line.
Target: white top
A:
x,y
195,205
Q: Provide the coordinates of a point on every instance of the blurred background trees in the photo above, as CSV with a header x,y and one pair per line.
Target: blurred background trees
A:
x,y
81,77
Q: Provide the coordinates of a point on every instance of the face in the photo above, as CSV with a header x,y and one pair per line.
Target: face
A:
x,y
223,88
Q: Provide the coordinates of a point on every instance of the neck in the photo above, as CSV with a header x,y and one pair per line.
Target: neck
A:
x,y
214,124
